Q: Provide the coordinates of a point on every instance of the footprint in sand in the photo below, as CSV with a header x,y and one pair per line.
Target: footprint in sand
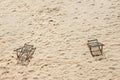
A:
x,y
25,79
35,78
6,72
31,71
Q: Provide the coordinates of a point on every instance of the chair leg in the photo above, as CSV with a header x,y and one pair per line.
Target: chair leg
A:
x,y
91,51
27,56
92,54
17,55
100,49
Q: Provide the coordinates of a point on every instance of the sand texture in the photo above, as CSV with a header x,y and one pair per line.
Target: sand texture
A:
x,y
59,29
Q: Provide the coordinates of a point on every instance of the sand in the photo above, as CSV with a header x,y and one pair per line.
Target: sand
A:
x,y
59,29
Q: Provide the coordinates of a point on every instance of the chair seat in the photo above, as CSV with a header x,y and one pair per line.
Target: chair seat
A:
x,y
95,44
25,48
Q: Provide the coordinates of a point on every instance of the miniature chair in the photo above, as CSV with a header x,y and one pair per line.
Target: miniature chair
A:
x,y
25,53
94,43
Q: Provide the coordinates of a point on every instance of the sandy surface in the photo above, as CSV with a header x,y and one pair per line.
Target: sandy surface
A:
x,y
59,29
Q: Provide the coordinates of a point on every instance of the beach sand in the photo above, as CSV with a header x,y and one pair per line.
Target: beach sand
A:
x,y
59,29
